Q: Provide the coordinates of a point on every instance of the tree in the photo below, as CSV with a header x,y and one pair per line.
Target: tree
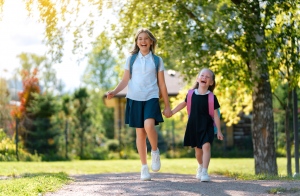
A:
x,y
83,117
230,37
100,76
41,133
101,62
5,117
286,66
30,87
47,75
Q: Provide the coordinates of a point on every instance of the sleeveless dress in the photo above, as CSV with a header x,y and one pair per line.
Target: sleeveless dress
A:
x,y
199,129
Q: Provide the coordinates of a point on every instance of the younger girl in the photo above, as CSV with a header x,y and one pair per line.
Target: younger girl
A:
x,y
144,80
199,132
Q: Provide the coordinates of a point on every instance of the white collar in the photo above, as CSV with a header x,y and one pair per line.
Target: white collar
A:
x,y
146,56
197,93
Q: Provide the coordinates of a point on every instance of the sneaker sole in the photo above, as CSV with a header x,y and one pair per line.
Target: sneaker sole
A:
x,y
155,170
145,179
205,180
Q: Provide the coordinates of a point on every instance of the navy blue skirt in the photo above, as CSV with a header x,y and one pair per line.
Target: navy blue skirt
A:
x,y
138,111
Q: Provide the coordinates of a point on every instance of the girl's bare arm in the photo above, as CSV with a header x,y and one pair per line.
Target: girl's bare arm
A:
x,y
178,107
123,83
164,92
218,125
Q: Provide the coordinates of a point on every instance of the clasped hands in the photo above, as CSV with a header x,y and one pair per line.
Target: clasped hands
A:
x,y
167,112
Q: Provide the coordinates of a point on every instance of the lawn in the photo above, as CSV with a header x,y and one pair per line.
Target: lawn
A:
x,y
32,178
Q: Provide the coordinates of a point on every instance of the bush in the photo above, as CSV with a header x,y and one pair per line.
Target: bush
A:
x,y
100,153
112,145
8,150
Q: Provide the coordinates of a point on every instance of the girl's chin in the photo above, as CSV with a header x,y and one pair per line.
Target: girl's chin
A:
x,y
144,50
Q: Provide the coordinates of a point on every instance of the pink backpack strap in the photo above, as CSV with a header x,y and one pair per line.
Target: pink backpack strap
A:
x,y
211,104
189,101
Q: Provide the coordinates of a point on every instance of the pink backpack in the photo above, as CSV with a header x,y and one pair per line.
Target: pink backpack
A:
x,y
210,106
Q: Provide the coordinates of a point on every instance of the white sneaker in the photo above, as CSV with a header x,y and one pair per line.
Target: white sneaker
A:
x,y
205,177
145,173
155,161
199,173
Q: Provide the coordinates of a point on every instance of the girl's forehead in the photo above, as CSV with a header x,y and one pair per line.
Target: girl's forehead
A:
x,y
205,71
143,34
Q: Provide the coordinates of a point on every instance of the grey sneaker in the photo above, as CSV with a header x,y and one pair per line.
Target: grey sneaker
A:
x,y
155,161
145,175
199,173
205,177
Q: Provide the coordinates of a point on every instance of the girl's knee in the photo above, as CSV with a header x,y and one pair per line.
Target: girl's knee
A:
x,y
149,124
206,146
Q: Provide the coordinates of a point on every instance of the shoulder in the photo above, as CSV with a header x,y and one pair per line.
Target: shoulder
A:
x,y
156,56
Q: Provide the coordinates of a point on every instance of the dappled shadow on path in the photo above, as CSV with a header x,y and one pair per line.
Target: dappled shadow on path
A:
x,y
167,184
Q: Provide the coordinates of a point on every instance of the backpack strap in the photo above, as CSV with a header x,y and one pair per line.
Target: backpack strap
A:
x,y
156,62
132,59
211,104
189,101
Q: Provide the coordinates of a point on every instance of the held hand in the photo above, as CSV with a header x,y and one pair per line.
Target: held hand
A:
x,y
110,94
220,135
167,112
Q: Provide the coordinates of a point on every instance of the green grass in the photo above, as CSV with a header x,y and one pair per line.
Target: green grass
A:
x,y
41,177
281,190
33,184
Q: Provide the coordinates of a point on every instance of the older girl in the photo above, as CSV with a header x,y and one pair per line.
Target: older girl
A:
x,y
142,108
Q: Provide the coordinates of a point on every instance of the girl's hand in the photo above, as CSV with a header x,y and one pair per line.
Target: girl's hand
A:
x,y
110,94
220,135
167,112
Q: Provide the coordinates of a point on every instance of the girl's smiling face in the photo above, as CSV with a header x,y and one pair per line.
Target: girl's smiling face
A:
x,y
205,78
144,43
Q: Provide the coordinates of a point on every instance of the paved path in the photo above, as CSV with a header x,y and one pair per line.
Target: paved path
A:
x,y
169,185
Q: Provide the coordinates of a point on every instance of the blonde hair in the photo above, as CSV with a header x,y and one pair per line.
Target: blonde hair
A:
x,y
136,49
210,88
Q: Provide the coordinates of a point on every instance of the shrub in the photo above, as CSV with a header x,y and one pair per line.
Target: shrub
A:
x,y
8,150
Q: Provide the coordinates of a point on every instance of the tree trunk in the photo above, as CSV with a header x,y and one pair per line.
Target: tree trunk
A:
x,y
287,134
81,143
66,138
263,128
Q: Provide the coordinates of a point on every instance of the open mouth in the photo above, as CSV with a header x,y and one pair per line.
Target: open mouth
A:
x,y
203,82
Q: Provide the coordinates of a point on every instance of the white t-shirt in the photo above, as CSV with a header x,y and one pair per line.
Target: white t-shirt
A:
x,y
143,83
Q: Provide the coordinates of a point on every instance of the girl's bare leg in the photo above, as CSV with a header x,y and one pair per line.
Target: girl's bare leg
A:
x,y
206,154
141,136
199,154
149,125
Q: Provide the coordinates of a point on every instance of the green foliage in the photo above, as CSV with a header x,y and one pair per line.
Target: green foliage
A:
x,y
82,117
5,118
112,145
47,75
41,132
100,153
101,61
8,150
